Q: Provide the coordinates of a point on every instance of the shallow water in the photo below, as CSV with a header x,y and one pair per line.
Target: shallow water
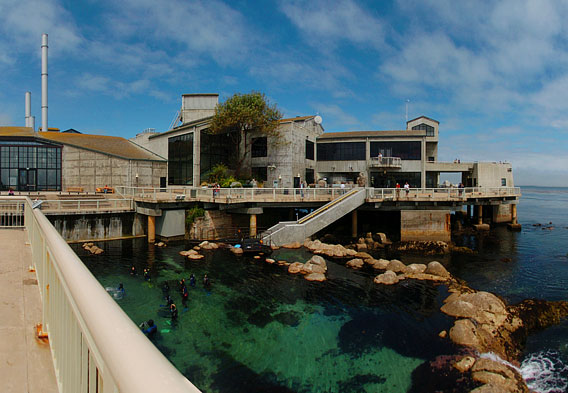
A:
x,y
260,329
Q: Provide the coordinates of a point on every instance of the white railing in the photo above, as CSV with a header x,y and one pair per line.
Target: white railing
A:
x,y
442,193
386,162
317,194
11,213
96,348
50,205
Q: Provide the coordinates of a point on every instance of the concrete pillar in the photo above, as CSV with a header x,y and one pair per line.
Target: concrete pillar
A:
x,y
252,225
423,163
425,225
468,212
151,229
354,224
479,215
514,214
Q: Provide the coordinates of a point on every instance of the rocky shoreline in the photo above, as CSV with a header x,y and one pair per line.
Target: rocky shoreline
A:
x,y
489,333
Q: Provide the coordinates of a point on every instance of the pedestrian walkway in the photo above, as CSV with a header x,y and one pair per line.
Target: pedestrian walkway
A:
x,y
26,365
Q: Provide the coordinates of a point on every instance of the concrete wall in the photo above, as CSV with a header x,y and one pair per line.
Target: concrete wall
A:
x,y
89,169
97,226
197,106
502,214
489,174
286,154
171,223
425,225
209,226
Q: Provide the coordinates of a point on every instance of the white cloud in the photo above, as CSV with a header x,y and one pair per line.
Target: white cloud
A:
x,y
343,20
337,115
105,85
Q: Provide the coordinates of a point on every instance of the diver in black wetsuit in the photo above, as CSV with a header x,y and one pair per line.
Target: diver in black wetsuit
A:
x,y
149,328
192,280
173,312
206,282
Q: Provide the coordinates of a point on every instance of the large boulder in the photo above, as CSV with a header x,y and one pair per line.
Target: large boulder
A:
x,y
383,238
387,278
237,250
295,267
356,263
416,268
464,364
437,269
195,257
363,255
396,266
499,376
205,245
381,264
482,307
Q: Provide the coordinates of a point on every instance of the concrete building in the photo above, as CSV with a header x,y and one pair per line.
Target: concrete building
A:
x,y
304,152
60,161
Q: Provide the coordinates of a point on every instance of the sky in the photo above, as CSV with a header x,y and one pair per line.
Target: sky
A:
x,y
493,73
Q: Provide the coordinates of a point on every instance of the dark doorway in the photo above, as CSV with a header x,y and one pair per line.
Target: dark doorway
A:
x,y
27,180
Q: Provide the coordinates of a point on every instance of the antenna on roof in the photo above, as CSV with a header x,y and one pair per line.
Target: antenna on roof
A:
x,y
407,102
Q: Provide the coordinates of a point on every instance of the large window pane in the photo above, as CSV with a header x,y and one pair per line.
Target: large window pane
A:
x,y
341,151
180,159
404,150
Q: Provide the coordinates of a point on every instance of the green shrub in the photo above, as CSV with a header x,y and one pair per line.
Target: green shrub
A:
x,y
192,214
218,173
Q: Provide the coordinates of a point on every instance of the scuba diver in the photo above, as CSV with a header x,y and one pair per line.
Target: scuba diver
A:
x,y
169,301
120,289
149,328
173,312
184,295
166,289
206,282
192,280
147,274
133,270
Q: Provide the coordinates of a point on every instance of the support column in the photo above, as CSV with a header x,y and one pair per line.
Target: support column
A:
x,y
252,225
514,225
151,229
468,212
480,226
354,224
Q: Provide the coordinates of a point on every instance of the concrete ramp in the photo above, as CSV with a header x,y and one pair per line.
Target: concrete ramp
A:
x,y
297,231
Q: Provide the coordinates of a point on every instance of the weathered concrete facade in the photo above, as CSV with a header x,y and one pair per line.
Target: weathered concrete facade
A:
x,y
425,225
90,169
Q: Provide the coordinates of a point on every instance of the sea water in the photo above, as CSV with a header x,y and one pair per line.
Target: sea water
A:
x,y
258,328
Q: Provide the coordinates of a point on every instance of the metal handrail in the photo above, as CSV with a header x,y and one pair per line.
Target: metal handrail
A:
x,y
85,204
95,346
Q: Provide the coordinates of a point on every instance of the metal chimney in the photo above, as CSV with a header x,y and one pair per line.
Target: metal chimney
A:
x,y
28,108
44,82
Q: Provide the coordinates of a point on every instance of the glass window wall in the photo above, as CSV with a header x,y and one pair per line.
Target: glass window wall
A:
x,y
405,150
180,160
341,151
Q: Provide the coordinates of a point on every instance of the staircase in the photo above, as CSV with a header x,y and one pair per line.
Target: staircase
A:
x,y
297,231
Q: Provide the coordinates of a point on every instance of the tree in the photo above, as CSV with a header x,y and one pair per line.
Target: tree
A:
x,y
242,114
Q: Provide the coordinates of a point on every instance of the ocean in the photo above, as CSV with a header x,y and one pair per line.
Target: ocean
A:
x,y
260,329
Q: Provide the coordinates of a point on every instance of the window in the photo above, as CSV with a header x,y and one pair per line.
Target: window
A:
x,y
403,150
259,173
341,151
431,159
309,176
259,147
215,149
503,182
429,129
309,150
180,159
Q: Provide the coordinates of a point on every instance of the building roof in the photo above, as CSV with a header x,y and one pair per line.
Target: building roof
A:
x,y
182,127
423,117
371,134
297,118
110,145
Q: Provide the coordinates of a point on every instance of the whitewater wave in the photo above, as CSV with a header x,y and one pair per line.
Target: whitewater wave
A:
x,y
545,372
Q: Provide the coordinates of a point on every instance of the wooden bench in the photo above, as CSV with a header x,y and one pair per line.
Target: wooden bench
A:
x,y
75,189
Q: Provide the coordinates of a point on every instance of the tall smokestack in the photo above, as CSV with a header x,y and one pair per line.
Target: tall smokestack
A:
x,y
44,82
28,108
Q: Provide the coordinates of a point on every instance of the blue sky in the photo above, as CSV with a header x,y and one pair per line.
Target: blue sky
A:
x,y
493,73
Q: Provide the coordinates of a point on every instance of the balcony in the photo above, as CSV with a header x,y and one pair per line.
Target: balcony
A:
x,y
385,162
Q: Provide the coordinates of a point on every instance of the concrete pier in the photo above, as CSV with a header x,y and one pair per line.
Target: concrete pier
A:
x,y
26,365
425,225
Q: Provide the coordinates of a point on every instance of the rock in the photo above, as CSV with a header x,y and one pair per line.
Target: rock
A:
x,y
361,240
315,264
295,267
387,278
256,257
98,251
498,375
315,277
426,277
464,332
195,257
416,268
236,251
161,244
396,266
383,238
381,264
197,248
443,334
482,307
464,364
292,245
363,255
356,263
361,247
284,263
270,260
435,268
208,246
273,247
